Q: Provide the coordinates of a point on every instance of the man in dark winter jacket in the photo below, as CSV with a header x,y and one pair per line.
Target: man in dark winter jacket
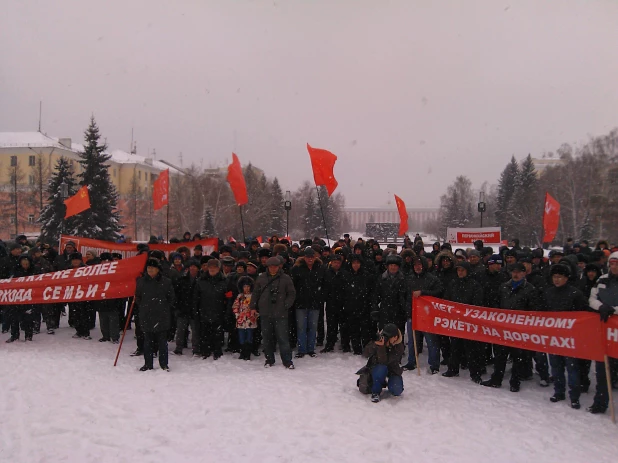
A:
x,y
384,358
423,283
63,261
516,294
154,295
604,299
209,306
465,290
308,278
21,315
391,295
357,304
334,295
273,295
184,310
562,297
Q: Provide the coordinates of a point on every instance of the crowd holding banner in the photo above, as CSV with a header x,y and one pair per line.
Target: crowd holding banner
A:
x,y
356,287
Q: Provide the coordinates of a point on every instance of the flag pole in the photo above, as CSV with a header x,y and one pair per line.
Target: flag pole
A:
x,y
167,223
323,217
242,224
609,389
124,332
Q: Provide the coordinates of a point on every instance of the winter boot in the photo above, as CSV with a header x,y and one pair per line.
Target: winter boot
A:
x,y
247,350
557,397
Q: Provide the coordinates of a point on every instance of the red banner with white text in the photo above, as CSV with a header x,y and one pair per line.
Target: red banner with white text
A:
x,y
109,280
130,249
611,336
571,334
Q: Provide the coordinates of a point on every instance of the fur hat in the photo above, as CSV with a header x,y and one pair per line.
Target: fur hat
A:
x,y
244,281
560,269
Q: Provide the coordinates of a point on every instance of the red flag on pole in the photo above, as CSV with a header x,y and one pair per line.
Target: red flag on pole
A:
x,y
323,163
161,190
551,218
77,203
403,215
237,181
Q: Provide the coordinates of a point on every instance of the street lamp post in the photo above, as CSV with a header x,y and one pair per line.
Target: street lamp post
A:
x,y
481,207
64,194
287,205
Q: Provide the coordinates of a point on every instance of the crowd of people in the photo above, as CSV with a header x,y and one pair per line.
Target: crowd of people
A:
x,y
309,297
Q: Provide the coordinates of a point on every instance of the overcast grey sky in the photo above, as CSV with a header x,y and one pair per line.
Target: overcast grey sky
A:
x,y
408,94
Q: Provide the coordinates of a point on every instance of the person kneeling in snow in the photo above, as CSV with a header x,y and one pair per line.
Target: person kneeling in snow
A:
x,y
384,362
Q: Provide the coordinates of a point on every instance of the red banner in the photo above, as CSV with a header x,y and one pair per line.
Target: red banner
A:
x,y
490,235
110,280
161,190
130,249
551,218
403,215
323,164
611,335
236,179
77,203
571,334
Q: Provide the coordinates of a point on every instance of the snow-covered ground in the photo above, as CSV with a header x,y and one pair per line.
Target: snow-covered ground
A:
x,y
61,400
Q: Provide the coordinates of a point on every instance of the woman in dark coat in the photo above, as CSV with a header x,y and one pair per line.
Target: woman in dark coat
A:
x,y
155,298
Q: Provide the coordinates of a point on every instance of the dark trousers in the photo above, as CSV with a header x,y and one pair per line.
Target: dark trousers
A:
x,y
276,329
334,318
352,330
501,355
445,347
108,322
473,350
291,327
21,316
257,336
584,373
159,339
320,330
211,338
83,321
558,365
139,334
601,396
51,315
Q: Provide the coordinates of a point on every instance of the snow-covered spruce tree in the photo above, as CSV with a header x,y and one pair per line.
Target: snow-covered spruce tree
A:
x,y
276,210
506,190
208,222
52,214
102,220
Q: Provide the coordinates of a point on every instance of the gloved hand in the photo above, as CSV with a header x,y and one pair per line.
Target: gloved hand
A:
x,y
605,311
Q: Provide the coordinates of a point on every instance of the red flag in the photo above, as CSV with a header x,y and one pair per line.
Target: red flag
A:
x,y
161,190
403,215
237,181
323,163
77,203
551,218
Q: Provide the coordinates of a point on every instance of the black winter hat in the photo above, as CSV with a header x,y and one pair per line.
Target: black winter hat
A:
x,y
517,267
511,253
106,256
191,262
205,259
538,253
464,264
264,252
226,248
487,251
560,269
446,246
378,252
153,263
76,256
198,247
156,254
355,258
16,246
393,259
116,255
241,264
390,330
242,282
335,257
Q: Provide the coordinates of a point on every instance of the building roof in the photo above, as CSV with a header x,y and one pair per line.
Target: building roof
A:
x,y
40,140
28,139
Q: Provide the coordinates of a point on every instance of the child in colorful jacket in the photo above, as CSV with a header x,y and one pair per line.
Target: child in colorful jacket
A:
x,y
246,319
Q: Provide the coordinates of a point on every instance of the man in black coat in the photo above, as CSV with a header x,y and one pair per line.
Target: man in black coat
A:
x,y
357,304
184,310
423,283
563,297
308,278
334,295
465,290
272,297
516,294
155,298
209,305
391,295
